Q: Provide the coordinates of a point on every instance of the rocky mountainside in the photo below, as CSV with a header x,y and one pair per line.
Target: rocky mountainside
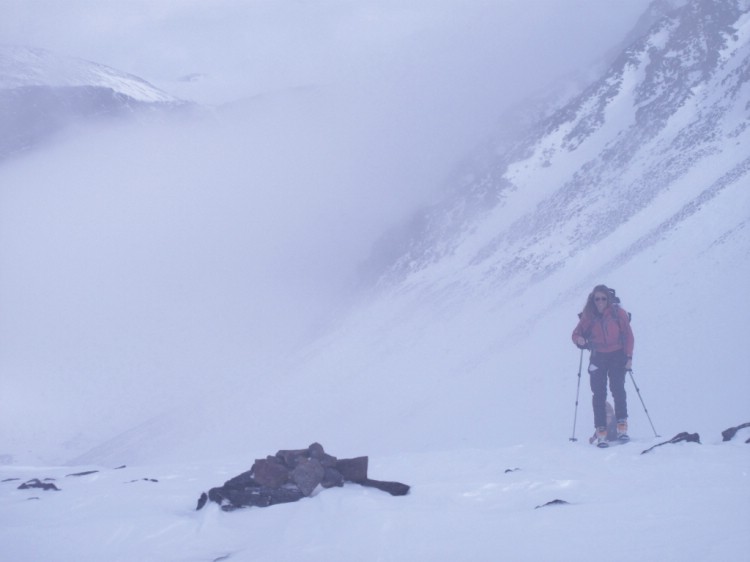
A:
x,y
42,93
668,121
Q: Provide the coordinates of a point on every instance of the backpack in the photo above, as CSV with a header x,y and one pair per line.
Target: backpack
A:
x,y
615,300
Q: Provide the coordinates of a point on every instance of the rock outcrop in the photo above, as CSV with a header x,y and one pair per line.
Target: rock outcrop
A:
x,y
291,475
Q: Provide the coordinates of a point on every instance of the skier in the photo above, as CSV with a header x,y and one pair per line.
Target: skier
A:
x,y
604,328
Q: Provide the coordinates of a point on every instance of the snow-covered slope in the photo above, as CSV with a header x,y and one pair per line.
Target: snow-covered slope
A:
x,y
42,93
641,183
454,368
26,66
680,502
667,122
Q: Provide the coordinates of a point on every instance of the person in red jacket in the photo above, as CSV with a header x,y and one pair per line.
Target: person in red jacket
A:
x,y
604,328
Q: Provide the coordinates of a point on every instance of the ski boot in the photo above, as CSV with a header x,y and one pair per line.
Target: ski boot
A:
x,y
622,431
601,437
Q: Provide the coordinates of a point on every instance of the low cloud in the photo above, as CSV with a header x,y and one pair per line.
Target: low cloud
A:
x,y
139,264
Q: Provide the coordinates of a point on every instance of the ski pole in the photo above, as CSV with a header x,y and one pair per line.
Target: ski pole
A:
x,y
642,402
578,390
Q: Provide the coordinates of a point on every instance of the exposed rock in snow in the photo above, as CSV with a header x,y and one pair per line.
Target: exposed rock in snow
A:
x,y
670,115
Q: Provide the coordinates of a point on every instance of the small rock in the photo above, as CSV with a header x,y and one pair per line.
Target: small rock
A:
x,y
393,488
86,473
553,502
36,483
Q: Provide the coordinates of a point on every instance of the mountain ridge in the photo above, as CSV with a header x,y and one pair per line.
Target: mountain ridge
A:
x,y
43,93
32,66
670,101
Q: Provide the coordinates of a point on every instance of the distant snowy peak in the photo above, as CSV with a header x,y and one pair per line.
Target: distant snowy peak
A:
x,y
43,94
26,66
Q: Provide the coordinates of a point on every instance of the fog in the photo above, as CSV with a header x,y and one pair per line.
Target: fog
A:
x,y
462,60
141,264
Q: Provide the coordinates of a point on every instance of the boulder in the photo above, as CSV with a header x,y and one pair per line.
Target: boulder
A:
x,y
307,475
270,472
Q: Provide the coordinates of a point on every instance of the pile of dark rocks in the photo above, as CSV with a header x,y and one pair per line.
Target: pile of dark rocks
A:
x,y
291,475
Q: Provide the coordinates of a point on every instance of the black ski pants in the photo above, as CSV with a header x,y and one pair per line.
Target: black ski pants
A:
x,y
604,366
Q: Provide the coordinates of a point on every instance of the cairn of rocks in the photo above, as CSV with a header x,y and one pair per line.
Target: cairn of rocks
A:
x,y
291,475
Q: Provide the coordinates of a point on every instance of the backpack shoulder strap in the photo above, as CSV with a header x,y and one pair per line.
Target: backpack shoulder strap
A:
x,y
619,311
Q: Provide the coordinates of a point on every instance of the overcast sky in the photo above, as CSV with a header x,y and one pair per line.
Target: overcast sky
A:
x,y
254,45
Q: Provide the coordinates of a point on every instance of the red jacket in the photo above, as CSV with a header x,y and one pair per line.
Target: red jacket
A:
x,y
608,331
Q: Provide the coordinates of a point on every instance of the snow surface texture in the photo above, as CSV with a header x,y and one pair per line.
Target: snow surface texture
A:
x,y
157,313
684,501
